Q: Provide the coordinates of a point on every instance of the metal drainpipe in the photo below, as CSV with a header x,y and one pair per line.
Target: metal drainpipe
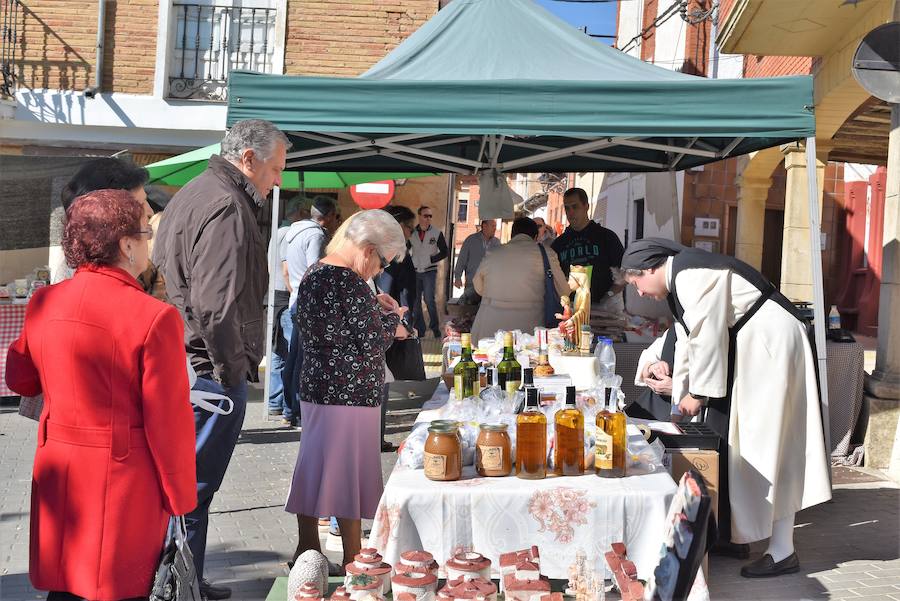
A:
x,y
712,69
93,90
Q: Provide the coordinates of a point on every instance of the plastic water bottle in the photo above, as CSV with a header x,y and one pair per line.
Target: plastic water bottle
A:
x,y
606,357
834,318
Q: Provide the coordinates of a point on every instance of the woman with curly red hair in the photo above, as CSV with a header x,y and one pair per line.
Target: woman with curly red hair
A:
x,y
115,454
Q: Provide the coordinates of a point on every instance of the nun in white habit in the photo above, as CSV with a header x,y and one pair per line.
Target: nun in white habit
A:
x,y
747,361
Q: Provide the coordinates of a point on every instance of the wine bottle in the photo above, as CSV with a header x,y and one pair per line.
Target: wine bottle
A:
x,y
466,381
569,451
531,439
609,458
509,369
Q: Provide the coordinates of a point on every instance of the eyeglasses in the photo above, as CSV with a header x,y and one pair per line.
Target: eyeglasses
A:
x,y
383,262
148,232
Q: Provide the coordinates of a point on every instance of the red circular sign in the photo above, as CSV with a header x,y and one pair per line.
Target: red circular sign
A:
x,y
373,195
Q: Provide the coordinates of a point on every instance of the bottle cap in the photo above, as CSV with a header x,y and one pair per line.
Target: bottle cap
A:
x,y
465,339
570,395
489,372
531,394
507,339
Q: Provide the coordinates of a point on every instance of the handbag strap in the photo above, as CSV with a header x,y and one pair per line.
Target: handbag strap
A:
x,y
547,271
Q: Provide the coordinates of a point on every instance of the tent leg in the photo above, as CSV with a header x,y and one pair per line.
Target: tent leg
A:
x,y
815,255
270,298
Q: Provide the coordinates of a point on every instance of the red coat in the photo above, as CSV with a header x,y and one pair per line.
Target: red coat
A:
x,y
115,452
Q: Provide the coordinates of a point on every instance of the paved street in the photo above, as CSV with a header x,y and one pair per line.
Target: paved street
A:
x,y
848,548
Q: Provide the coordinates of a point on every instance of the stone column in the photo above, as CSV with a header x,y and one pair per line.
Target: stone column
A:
x,y
883,386
751,219
796,270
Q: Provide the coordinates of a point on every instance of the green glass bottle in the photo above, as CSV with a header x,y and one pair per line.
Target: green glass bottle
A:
x,y
509,370
466,381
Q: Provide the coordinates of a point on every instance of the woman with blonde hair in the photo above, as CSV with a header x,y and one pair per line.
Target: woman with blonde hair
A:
x,y
345,329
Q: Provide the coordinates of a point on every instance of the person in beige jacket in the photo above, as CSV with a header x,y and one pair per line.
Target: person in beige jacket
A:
x,y
510,281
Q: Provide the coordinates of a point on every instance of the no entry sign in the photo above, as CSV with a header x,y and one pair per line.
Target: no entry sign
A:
x,y
373,195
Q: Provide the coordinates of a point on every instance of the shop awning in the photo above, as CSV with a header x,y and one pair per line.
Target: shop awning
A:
x,y
180,169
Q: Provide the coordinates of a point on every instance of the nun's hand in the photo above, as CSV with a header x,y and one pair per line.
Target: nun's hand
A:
x,y
659,370
690,405
660,385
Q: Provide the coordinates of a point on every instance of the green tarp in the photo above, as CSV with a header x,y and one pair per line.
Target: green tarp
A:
x,y
179,170
482,69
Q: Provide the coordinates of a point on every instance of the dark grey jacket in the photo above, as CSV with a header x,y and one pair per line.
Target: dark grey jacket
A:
x,y
213,257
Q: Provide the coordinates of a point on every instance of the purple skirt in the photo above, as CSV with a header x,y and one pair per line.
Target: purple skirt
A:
x,y
338,469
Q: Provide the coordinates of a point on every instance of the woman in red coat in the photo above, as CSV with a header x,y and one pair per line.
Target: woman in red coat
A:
x,y
115,448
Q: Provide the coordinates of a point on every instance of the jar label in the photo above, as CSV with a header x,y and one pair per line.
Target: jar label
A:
x,y
435,465
512,386
491,457
603,451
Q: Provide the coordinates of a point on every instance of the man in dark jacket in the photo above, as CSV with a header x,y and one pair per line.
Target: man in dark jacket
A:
x,y
213,257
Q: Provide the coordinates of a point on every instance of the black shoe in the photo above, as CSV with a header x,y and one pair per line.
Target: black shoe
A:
x,y
765,567
731,550
388,447
213,592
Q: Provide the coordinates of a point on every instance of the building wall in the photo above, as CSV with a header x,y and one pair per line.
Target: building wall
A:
x,y
55,62
58,48
775,66
345,38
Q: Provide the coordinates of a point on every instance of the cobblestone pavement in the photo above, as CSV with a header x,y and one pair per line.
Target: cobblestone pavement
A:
x,y
849,548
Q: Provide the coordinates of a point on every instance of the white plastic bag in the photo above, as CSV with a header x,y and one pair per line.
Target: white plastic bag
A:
x,y
202,398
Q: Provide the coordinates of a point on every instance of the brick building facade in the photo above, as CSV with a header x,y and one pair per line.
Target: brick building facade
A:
x,y
150,48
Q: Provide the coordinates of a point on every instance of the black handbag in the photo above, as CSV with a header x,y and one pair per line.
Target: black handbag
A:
x,y
552,306
176,578
404,357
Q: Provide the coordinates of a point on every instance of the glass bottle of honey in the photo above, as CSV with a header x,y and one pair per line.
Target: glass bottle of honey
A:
x,y
531,439
569,451
609,459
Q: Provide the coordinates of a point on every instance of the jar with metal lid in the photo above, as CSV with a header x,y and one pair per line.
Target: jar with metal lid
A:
x,y
493,451
443,451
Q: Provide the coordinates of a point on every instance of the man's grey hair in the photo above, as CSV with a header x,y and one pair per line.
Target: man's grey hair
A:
x,y
258,135
378,228
322,206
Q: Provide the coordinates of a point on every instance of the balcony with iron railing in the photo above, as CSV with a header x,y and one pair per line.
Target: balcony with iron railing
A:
x,y
11,12
209,41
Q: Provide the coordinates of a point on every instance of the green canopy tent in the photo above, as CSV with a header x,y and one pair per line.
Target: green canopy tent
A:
x,y
505,85
179,170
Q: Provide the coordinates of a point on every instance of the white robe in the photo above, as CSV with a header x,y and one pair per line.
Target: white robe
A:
x,y
777,463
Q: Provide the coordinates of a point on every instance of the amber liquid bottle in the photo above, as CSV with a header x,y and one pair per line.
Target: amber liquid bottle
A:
x,y
531,439
569,451
609,460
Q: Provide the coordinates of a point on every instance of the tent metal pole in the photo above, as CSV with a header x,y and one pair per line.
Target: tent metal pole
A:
x,y
815,255
270,302
451,238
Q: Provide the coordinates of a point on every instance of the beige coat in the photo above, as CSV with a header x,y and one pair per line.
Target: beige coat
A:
x,y
510,280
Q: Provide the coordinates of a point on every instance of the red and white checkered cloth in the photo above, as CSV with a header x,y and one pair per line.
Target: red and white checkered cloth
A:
x,y
12,318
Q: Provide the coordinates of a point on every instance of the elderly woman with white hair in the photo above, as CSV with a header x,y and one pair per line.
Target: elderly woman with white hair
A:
x,y
345,329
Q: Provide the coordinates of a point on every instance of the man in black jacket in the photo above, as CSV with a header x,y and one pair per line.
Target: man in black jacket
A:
x,y
213,257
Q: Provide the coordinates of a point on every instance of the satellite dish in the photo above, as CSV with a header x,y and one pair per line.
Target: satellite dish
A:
x,y
876,63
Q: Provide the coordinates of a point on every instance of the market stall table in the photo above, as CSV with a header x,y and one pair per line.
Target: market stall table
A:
x,y
494,515
12,319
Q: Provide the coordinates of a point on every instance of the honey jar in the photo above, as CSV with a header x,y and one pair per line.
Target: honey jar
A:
x,y
443,451
493,451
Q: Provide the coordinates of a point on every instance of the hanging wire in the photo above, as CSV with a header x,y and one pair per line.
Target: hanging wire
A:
x,y
667,14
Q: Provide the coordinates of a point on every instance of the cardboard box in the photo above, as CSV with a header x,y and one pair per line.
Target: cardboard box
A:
x,y
706,463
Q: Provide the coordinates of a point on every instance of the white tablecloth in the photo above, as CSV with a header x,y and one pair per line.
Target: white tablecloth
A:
x,y
496,515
